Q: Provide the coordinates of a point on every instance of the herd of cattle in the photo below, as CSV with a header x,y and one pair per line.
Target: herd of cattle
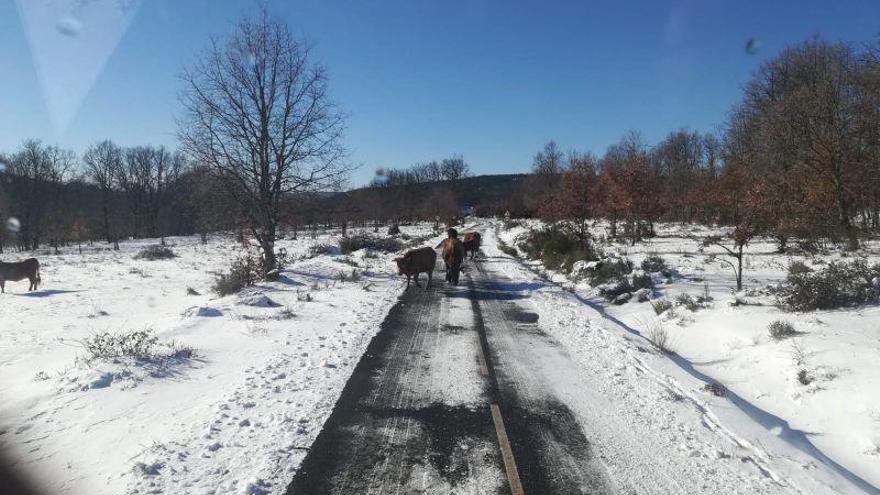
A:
x,y
411,264
423,260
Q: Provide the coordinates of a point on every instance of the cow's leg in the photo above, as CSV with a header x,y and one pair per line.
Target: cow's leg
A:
x,y
2,286
407,281
430,276
416,277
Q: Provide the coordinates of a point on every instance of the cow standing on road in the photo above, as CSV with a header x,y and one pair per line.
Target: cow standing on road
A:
x,y
13,272
453,256
417,261
471,243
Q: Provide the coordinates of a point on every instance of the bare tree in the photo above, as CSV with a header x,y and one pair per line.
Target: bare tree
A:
x,y
453,169
41,171
257,111
102,161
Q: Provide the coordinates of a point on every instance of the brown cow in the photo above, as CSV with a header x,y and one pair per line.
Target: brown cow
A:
x,y
453,255
417,261
27,269
472,243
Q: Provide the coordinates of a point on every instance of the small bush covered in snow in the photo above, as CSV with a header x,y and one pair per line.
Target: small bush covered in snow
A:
x,y
510,224
837,285
507,249
612,291
155,252
688,301
140,345
654,263
354,276
715,389
804,377
661,306
244,272
658,334
348,245
781,330
606,270
556,248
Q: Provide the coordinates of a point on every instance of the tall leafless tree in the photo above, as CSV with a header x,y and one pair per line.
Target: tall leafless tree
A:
x,y
102,161
257,111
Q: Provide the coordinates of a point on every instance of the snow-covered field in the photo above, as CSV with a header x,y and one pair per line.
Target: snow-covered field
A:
x,y
268,365
235,417
837,415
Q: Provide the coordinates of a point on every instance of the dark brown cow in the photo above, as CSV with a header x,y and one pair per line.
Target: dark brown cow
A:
x,y
453,255
417,261
471,242
13,272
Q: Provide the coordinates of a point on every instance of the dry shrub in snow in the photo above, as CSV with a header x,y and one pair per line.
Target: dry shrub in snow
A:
x,y
348,245
608,269
658,334
507,249
354,276
688,302
837,285
661,306
780,330
509,224
155,252
804,377
244,272
138,345
319,249
654,263
715,389
557,248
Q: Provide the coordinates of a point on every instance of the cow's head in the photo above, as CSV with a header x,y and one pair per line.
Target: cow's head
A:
x,y
401,265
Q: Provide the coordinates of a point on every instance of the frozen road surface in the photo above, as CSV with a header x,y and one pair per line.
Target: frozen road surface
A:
x,y
465,390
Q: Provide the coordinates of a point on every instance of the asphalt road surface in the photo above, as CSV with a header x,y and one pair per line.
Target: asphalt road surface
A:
x,y
451,396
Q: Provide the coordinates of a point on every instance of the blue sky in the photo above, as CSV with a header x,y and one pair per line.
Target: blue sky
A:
x,y
491,80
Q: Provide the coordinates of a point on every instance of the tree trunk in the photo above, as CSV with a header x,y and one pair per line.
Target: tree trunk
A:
x,y
852,240
739,268
106,212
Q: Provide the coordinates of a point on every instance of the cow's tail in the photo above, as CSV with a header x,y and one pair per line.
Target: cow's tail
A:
x,y
39,280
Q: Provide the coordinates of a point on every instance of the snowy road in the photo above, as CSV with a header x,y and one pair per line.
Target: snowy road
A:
x,y
578,409
417,414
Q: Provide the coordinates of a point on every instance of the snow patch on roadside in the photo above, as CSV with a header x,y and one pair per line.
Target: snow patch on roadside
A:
x,y
236,417
725,430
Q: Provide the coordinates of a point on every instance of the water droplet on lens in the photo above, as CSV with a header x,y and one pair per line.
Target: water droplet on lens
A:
x,y
69,26
752,46
13,225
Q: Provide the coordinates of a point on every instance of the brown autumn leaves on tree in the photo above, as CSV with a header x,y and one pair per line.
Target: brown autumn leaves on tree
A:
x,y
797,160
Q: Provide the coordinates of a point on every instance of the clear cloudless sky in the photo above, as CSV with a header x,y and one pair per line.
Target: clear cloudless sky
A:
x,y
421,80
